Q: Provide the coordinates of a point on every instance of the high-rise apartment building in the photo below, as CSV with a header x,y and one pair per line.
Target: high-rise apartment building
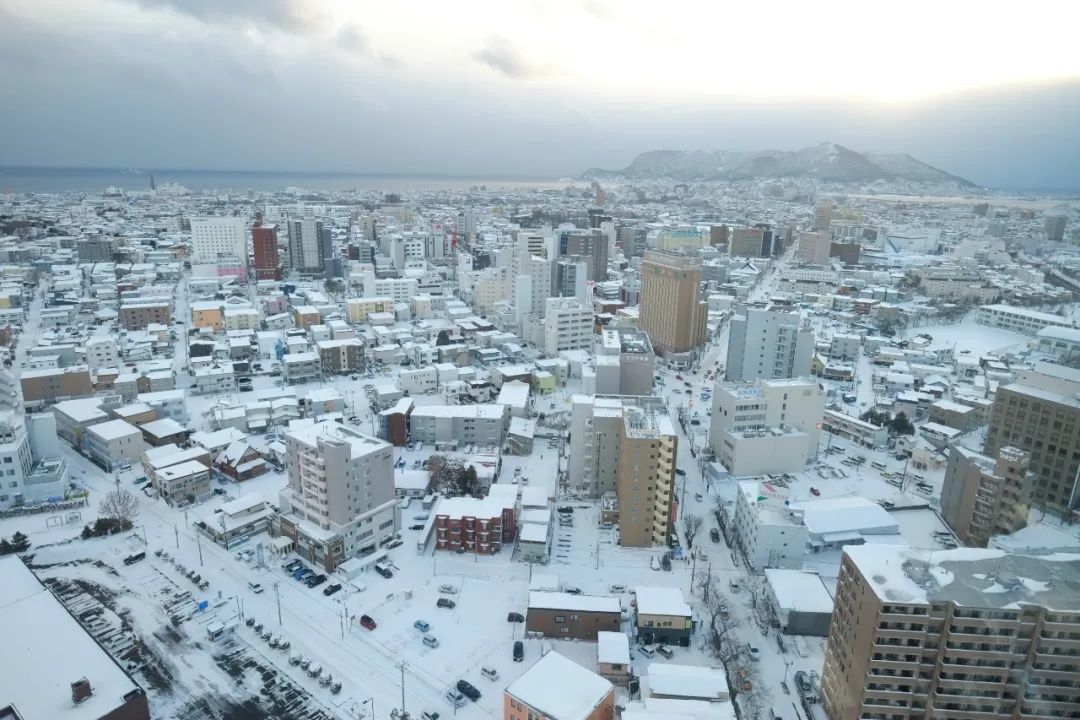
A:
x,y
632,240
568,325
214,238
310,245
570,277
822,218
589,244
627,446
1055,228
746,242
264,251
768,343
814,248
958,634
1039,413
340,498
983,496
672,311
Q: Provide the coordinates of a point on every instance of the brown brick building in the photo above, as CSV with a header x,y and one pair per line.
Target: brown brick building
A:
x,y
474,525
138,315
565,615
52,384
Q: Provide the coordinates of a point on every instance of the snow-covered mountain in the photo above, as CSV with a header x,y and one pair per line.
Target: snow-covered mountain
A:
x,y
827,161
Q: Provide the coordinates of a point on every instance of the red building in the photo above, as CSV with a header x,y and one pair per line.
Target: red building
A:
x,y
264,244
475,525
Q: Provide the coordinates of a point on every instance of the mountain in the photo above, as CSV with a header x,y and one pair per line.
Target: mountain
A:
x,y
828,161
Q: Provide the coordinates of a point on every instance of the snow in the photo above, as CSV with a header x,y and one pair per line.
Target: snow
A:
x,y
570,601
612,648
533,533
113,430
685,682
846,515
653,600
544,581
52,651
798,590
560,688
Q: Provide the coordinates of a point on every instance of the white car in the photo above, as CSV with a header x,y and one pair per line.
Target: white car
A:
x,y
448,589
255,587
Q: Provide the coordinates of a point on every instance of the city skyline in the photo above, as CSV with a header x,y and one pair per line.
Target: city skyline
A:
x,y
530,89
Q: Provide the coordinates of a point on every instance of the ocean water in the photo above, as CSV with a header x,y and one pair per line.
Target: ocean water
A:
x,y
76,180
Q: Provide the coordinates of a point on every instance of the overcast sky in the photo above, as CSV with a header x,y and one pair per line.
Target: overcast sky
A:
x,y
536,88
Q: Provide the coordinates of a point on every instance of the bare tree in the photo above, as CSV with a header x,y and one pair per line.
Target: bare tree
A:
x,y
121,506
690,526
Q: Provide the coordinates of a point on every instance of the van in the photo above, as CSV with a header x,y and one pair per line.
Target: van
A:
x,y
665,651
454,696
134,558
431,641
617,588
877,465
384,570
490,673
647,651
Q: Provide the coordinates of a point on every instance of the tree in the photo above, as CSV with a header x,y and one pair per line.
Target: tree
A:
x,y
19,542
443,338
453,478
121,506
901,425
6,547
690,526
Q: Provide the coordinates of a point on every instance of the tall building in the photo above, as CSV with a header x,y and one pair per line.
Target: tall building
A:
x,y
1055,228
626,446
814,248
570,278
746,242
340,499
32,467
767,426
214,238
632,240
1039,413
822,218
983,496
719,235
768,343
672,312
633,360
682,240
264,250
568,325
310,245
589,244
958,634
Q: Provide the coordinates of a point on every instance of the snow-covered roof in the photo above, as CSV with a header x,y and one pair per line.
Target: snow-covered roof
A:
x,y
488,411
544,581
653,600
244,503
798,590
163,427
533,533
569,601
560,688
113,430
686,681
412,480
82,409
846,514
972,577
53,652
534,496
612,647
182,470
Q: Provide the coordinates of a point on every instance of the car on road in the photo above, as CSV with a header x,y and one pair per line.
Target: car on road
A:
x,y
367,621
448,589
802,680
815,492
315,580
714,535
429,715
468,690
384,570
418,526
680,471
665,651
255,587
572,590
422,625
733,585
445,603
515,617
431,641
566,509
654,563
519,651
755,654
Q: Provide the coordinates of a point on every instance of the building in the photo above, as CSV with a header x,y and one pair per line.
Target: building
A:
x,y
1055,227
568,325
768,343
953,634
814,247
140,314
114,444
245,516
591,244
983,496
567,615
1021,320
340,357
482,425
69,675
767,426
799,601
218,237
662,615
853,429
310,245
613,657
746,242
46,387
673,311
1040,414
183,482
339,502
1059,342
627,446
476,525
358,309
769,533
556,688
394,422
101,352
32,468
628,356
264,251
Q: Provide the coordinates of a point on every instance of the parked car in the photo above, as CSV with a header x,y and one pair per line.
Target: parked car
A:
x,y
815,492
315,580
468,690
665,651
665,562
384,570
572,590
454,696
331,589
429,715
490,673
448,589
419,526
565,509
445,603
654,563
617,588
519,651
422,626
755,654
367,621
255,587
802,680
515,617
431,641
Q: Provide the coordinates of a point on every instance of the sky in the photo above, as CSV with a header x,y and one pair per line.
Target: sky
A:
x,y
533,88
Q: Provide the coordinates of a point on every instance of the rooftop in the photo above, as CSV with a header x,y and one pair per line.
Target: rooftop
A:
x,y
569,601
579,691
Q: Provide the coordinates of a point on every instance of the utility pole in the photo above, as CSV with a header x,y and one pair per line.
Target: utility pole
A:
x,y
198,543
277,595
403,715
176,530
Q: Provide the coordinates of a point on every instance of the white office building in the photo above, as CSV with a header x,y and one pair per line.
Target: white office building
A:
x,y
768,343
214,237
568,325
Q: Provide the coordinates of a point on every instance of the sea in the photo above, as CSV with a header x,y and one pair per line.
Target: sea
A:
x,y
93,180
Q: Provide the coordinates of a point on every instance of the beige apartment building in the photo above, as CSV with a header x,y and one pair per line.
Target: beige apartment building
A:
x,y
953,635
1040,414
983,496
51,384
673,312
140,314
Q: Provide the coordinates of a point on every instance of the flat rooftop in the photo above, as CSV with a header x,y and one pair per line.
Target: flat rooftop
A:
x,y
971,577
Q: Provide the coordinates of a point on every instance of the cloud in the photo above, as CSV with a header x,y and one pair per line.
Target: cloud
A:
x,y
352,39
598,9
502,57
291,16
